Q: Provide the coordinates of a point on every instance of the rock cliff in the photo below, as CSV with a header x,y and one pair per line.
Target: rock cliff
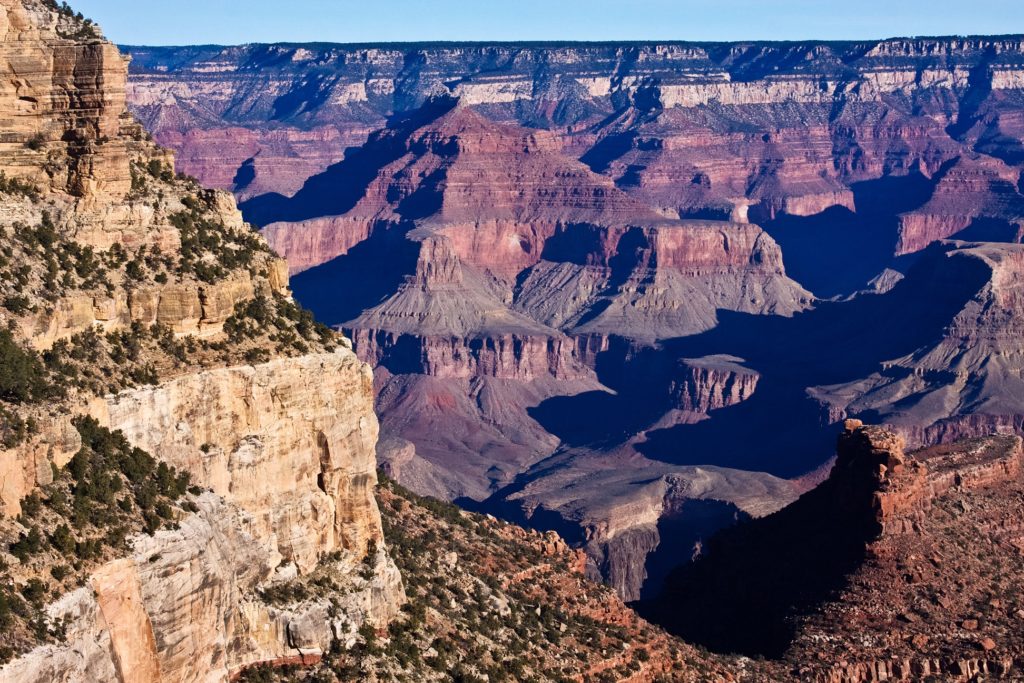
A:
x,y
291,442
963,383
499,601
667,119
141,299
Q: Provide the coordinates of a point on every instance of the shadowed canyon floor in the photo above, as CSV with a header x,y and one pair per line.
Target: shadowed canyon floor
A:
x,y
898,567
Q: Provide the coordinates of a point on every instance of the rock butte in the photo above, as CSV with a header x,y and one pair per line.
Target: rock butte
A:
x,y
861,578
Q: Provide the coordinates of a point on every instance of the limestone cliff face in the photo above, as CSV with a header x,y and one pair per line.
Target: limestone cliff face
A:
x,y
287,449
66,97
274,423
291,442
183,608
660,119
27,466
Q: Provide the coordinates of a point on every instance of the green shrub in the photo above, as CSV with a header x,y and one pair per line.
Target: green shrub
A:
x,y
22,376
36,142
27,544
17,304
16,186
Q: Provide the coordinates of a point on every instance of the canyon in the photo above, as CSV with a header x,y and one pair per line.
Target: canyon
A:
x,y
629,306
590,276
189,484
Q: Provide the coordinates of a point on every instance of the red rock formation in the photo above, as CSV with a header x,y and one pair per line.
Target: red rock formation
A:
x,y
976,195
695,128
252,161
517,273
712,384
503,356
966,382
883,536
308,243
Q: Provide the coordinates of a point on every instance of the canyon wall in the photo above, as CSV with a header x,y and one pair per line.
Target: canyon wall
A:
x,y
291,442
134,303
184,607
660,119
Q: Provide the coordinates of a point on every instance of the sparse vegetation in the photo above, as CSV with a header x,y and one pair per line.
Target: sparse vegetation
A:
x,y
288,326
17,186
209,250
488,601
108,491
72,25
23,378
36,142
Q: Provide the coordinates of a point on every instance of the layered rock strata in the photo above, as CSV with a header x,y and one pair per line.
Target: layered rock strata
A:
x,y
183,607
161,287
589,218
815,116
291,442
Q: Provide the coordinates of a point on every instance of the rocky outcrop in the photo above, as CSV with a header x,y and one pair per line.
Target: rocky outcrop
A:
x,y
192,308
964,382
63,104
712,383
125,264
27,466
184,608
882,513
503,356
291,442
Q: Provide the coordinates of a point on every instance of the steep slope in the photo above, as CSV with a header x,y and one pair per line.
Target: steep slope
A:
x,y
965,382
898,567
499,603
178,435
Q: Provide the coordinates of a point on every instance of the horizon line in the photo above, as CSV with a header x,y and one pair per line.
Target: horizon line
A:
x,y
567,42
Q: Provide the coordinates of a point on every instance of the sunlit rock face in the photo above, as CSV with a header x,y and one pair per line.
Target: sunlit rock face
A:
x,y
280,447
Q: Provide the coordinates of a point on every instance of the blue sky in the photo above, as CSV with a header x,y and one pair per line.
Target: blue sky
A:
x,y
180,22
